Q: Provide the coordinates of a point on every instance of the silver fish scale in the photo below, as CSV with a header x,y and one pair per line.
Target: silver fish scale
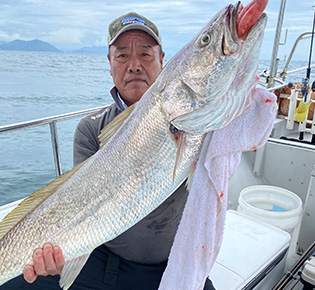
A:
x,y
122,183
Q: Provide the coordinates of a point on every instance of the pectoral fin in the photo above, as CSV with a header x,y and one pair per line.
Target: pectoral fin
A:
x,y
179,153
71,270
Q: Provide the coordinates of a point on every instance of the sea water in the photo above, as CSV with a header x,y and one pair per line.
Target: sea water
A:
x,y
35,85
39,84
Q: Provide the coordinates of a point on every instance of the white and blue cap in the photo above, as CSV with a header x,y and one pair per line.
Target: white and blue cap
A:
x,y
131,21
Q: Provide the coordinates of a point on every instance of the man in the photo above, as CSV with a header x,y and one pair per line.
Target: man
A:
x,y
136,259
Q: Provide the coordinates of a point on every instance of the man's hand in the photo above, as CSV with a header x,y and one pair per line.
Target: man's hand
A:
x,y
47,261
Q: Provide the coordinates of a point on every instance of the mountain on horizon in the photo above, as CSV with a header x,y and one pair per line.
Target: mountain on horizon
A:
x,y
92,49
39,45
32,45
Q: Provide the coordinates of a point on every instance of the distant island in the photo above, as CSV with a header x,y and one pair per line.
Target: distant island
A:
x,y
92,49
39,45
32,45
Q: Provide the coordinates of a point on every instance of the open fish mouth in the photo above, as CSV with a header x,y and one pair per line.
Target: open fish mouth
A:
x,y
238,25
249,16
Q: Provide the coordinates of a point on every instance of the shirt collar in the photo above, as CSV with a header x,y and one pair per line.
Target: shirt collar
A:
x,y
118,100
122,103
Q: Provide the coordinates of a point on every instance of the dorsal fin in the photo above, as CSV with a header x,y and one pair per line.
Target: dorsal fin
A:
x,y
34,200
110,129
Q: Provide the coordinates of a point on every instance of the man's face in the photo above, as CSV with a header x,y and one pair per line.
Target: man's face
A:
x,y
135,62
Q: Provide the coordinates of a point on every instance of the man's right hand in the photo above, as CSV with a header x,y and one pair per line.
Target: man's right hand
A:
x,y
47,261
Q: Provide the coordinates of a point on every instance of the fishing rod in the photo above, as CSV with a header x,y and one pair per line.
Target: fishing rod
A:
x,y
308,71
305,89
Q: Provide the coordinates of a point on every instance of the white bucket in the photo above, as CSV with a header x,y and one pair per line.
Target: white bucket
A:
x,y
274,205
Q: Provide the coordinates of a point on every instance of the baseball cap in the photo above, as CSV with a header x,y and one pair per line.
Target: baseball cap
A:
x,y
132,21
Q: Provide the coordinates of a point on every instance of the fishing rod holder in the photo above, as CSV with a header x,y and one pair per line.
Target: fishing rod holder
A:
x,y
287,111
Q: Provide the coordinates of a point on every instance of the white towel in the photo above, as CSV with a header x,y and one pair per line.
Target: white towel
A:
x,y
199,236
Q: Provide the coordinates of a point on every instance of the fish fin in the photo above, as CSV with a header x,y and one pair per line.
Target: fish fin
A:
x,y
71,270
179,153
31,202
191,176
110,129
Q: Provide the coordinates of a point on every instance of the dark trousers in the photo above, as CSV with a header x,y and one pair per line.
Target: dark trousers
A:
x,y
103,271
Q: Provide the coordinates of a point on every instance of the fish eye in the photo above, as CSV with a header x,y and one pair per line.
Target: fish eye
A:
x,y
205,39
173,129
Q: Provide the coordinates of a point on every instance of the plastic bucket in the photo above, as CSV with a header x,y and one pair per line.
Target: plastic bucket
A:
x,y
274,205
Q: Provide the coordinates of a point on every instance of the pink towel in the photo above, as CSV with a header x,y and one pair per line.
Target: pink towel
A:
x,y
200,232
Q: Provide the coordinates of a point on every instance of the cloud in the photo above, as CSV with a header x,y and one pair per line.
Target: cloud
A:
x,y
77,23
102,41
65,35
4,36
35,1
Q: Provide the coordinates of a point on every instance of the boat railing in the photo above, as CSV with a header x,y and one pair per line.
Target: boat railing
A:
x,y
279,76
51,121
282,73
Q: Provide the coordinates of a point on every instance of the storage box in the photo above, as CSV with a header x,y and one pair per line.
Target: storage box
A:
x,y
252,254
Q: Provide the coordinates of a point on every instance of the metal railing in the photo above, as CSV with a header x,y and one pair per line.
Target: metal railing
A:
x,y
52,121
279,76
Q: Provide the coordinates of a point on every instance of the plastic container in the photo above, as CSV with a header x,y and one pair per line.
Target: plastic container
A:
x,y
274,205
259,261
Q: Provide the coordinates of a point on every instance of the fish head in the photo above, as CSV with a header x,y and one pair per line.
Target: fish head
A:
x,y
215,73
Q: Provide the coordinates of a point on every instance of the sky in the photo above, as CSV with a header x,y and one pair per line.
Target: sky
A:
x,y
72,24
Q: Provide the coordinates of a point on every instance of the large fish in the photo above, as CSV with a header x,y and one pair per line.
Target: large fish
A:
x,y
147,152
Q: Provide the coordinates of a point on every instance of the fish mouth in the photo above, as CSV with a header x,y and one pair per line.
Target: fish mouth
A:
x,y
231,40
233,12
